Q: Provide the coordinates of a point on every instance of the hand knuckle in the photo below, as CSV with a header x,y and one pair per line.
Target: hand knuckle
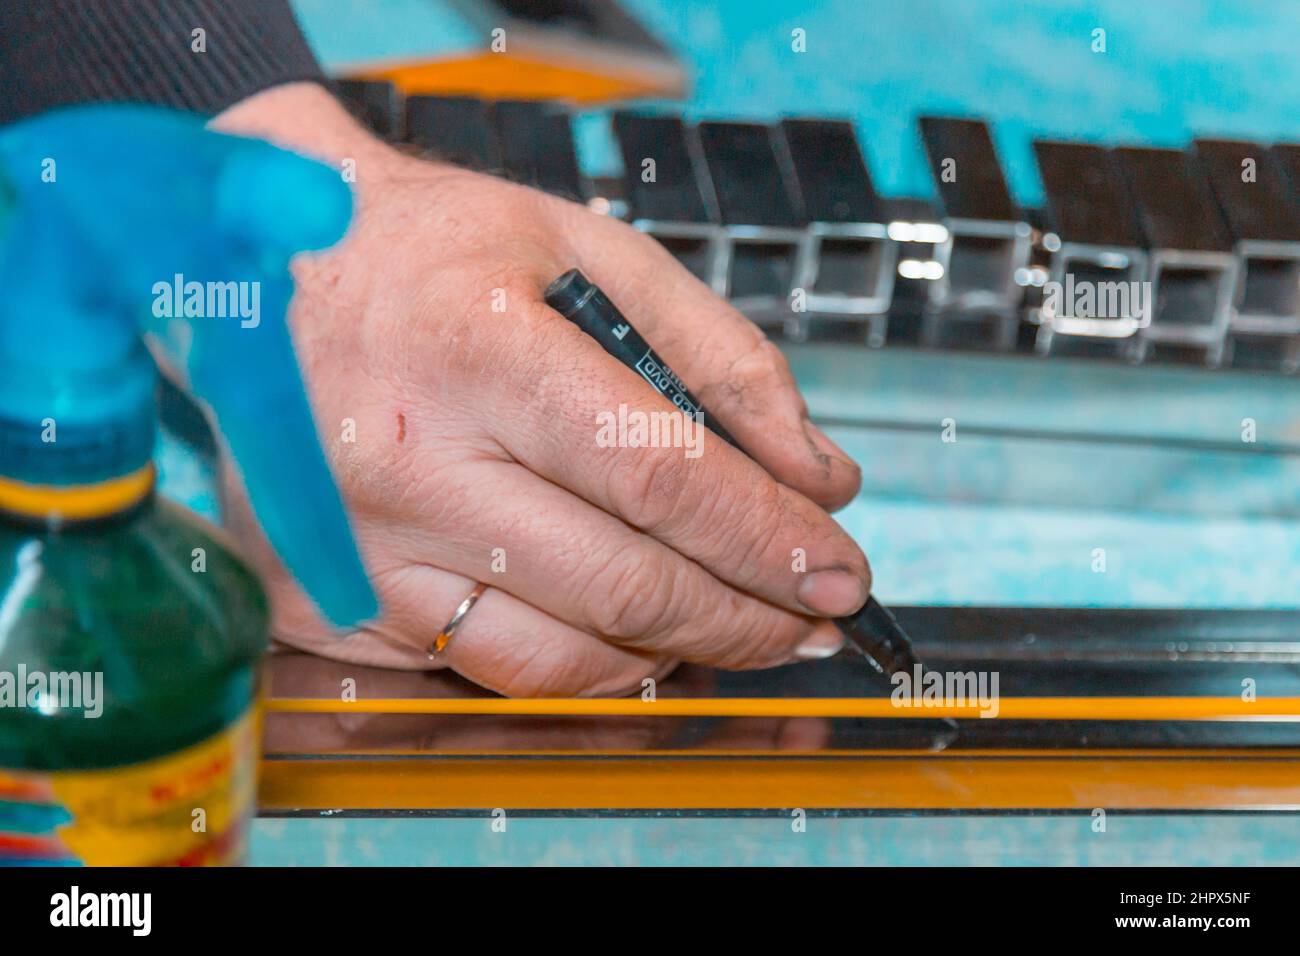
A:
x,y
762,523
546,671
648,487
761,363
753,641
758,369
632,597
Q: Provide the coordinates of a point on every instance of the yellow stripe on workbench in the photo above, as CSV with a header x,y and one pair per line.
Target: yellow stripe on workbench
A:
x,y
1273,709
953,782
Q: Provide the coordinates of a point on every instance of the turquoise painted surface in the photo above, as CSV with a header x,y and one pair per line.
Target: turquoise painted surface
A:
x,y
345,32
1171,68
770,841
988,519
922,553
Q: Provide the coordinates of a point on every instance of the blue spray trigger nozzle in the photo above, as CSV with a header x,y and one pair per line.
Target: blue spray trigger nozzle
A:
x,y
125,220
260,197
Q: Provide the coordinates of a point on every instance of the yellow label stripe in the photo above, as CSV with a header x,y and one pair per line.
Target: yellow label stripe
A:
x,y
76,501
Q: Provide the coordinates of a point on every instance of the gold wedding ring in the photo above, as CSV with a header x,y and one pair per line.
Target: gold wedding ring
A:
x,y
445,635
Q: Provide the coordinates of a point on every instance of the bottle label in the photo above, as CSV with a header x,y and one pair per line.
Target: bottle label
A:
x,y
189,808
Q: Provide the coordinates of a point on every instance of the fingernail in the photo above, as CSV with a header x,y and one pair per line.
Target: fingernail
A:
x,y
832,593
821,441
825,641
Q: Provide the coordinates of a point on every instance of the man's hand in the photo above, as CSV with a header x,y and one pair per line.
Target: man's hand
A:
x,y
461,417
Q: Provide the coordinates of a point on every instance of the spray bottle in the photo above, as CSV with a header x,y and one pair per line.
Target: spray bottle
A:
x,y
130,633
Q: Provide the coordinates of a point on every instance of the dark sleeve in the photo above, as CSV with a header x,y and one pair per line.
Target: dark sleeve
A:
x,y
55,52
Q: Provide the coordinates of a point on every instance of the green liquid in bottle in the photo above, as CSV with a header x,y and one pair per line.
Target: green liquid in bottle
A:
x,y
154,602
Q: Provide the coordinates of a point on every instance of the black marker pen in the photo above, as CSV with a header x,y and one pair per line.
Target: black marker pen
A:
x,y
873,630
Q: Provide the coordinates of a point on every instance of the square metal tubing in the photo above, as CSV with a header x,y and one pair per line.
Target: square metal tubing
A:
x,y
988,240
980,258
767,246
1193,268
457,129
537,147
701,248
1103,266
848,272
760,267
376,103
1264,222
668,192
1193,302
851,260
1095,239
